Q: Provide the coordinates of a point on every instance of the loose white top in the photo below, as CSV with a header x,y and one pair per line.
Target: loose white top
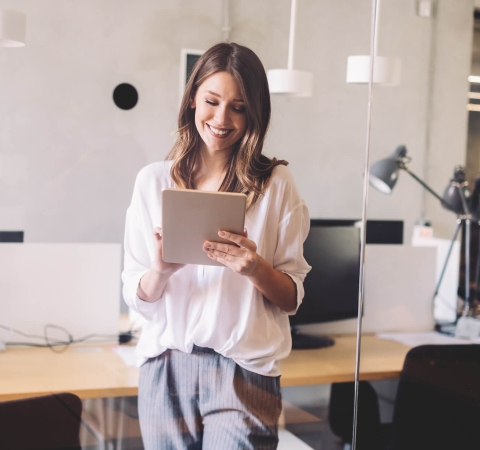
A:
x,y
212,306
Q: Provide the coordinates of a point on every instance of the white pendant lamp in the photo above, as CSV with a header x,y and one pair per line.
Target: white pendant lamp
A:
x,y
12,28
298,83
386,71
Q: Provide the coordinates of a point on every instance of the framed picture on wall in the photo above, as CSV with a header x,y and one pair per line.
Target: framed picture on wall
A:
x,y
188,58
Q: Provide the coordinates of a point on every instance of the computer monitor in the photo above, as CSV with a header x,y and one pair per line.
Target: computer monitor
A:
x,y
11,236
331,287
378,231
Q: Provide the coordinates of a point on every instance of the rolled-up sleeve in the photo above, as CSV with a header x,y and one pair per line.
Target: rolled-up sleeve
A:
x,y
292,232
138,247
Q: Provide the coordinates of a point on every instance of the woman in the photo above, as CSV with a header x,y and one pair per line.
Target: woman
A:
x,y
210,349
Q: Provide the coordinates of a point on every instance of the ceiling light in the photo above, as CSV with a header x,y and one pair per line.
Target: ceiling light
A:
x,y
12,28
298,83
386,70
473,79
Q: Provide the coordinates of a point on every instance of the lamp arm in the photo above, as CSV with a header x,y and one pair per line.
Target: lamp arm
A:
x,y
428,188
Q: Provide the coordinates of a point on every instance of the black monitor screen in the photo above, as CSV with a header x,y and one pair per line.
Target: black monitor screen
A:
x,y
331,287
11,236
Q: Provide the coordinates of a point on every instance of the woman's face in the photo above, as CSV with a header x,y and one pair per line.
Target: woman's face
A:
x,y
220,115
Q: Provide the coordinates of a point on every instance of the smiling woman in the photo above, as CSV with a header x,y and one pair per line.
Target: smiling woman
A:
x,y
216,334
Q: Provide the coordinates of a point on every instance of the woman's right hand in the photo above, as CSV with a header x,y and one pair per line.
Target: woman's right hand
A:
x,y
159,265
153,283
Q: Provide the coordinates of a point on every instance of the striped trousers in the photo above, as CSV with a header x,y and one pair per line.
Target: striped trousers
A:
x,y
205,401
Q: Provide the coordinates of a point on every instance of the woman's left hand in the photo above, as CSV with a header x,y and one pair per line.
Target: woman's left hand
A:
x,y
240,256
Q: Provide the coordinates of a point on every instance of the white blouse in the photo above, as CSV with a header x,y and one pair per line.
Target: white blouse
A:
x,y
212,306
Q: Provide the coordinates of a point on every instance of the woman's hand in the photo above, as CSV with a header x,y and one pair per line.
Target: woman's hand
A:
x,y
240,256
153,283
159,265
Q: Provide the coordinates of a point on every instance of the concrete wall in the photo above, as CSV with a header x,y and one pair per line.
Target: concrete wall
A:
x,y
447,133
427,112
69,156
473,142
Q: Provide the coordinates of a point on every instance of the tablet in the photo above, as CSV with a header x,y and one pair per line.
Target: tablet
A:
x,y
191,217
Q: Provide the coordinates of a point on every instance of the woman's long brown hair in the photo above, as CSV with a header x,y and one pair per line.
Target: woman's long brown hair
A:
x,y
248,170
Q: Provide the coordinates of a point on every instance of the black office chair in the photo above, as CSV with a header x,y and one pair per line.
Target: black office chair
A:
x,y
340,415
437,405
41,423
438,399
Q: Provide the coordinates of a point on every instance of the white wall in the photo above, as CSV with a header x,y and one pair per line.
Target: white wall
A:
x,y
427,112
449,120
69,156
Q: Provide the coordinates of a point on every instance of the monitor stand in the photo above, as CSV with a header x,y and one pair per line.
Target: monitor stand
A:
x,y
304,341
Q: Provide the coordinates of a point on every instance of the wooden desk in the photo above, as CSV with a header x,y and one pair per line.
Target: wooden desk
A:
x,y
91,371
380,360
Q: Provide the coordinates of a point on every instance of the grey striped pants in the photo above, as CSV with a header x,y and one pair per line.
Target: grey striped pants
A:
x,y
205,401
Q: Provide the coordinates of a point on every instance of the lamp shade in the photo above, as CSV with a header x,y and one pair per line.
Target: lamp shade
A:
x,y
298,83
386,71
384,173
12,28
452,197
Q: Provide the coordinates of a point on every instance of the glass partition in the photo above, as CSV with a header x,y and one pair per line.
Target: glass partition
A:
x,y
419,308
89,102
326,152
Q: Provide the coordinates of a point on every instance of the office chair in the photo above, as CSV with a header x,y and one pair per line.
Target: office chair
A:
x,y
340,415
438,399
437,405
41,423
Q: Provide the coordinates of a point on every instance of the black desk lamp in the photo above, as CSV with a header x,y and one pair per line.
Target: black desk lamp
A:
x,y
384,173
383,177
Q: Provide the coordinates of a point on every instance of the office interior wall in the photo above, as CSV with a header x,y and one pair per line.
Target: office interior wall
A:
x,y
69,156
448,145
427,111
473,141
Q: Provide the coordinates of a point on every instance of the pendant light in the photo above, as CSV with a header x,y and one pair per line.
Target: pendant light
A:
x,y
12,28
297,83
386,71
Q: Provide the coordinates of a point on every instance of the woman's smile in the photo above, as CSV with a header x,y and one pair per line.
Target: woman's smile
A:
x,y
220,133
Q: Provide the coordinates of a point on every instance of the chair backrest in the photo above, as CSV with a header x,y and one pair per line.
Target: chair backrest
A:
x,y
47,422
340,414
438,399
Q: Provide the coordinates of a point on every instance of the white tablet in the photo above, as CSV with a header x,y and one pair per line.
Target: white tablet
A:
x,y
191,217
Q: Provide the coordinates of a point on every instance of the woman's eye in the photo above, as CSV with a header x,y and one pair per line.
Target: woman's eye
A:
x,y
210,102
239,109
